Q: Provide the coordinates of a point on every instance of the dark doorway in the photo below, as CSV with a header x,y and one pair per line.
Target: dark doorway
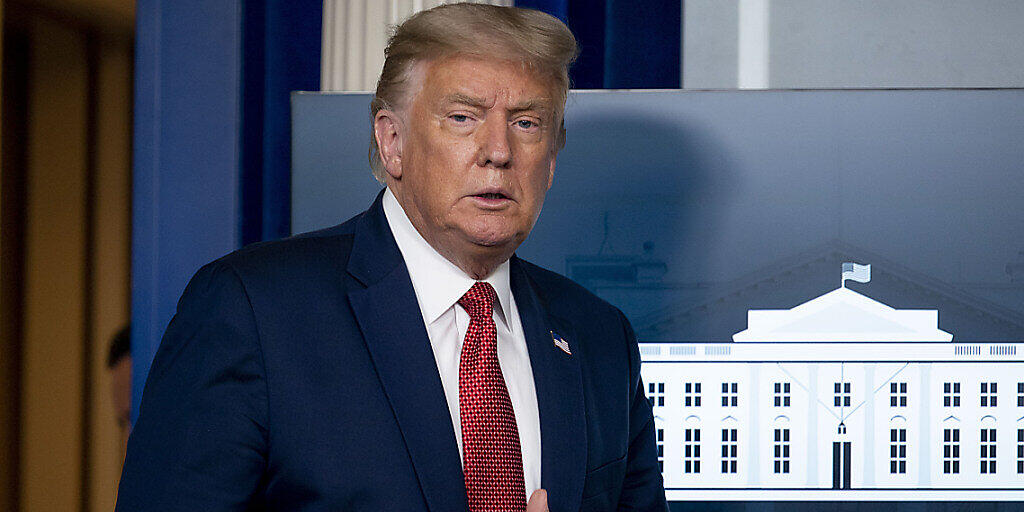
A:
x,y
841,465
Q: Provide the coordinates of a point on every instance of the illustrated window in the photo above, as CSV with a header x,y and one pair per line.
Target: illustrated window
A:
x,y
661,449
782,394
842,394
730,394
1020,394
691,451
781,450
729,448
951,451
951,394
988,394
1020,451
898,451
656,393
988,451
897,394
691,397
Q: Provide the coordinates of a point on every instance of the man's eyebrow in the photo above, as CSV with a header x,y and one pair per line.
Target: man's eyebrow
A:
x,y
466,99
537,104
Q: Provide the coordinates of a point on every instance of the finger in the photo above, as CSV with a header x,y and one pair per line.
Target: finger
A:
x,y
538,501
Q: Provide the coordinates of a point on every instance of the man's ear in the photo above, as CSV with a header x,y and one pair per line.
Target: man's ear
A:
x,y
387,129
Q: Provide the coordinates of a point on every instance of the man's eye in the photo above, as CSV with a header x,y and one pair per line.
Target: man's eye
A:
x,y
459,118
526,124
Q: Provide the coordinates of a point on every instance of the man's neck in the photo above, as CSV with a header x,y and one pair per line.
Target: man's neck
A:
x,y
472,267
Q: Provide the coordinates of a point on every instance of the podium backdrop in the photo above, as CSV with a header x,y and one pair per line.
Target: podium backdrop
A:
x,y
687,209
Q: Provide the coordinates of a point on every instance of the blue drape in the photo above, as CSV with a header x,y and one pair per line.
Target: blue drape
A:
x,y
212,129
286,46
624,44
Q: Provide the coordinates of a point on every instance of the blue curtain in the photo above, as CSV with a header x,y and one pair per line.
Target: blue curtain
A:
x,y
212,141
624,44
282,54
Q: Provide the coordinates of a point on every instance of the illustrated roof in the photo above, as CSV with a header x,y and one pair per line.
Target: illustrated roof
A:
x,y
748,292
842,315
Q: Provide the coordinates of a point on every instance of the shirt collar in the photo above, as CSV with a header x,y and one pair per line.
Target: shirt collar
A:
x,y
438,283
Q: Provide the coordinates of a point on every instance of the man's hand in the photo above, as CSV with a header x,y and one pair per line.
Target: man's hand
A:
x,y
538,501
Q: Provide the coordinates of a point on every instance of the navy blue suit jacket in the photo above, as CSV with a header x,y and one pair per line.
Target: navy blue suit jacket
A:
x,y
297,375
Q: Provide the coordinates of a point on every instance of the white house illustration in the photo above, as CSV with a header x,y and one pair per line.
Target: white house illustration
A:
x,y
840,397
843,315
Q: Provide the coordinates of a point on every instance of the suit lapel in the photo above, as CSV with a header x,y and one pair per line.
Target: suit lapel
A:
x,y
556,377
390,319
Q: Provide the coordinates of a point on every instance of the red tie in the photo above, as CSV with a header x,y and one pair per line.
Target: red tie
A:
x,y
492,459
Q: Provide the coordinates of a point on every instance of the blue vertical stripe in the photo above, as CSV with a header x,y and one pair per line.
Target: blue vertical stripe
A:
x,y
588,24
185,197
211,168
556,8
292,52
623,44
254,167
642,44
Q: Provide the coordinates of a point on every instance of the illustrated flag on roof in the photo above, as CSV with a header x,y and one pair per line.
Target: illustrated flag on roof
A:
x,y
859,273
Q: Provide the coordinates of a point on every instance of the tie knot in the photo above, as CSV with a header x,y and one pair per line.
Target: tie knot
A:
x,y
479,301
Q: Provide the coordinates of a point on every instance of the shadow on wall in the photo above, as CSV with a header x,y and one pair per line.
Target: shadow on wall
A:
x,y
634,206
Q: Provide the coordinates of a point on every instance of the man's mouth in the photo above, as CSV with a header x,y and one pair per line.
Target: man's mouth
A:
x,y
492,200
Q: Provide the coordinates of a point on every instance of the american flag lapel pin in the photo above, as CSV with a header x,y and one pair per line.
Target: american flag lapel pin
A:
x,y
560,343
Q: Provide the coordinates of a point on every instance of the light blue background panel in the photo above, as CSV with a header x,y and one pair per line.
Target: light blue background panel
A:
x,y
686,209
667,202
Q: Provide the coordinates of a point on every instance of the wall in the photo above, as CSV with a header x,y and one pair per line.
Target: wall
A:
x,y
65,256
8,378
872,43
52,379
710,44
880,43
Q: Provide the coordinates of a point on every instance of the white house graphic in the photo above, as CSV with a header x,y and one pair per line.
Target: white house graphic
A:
x,y
843,315
840,397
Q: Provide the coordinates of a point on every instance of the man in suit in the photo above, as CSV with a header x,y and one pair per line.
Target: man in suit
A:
x,y
406,359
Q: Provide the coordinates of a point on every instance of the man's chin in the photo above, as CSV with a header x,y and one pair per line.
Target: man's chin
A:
x,y
490,232
493,241
488,243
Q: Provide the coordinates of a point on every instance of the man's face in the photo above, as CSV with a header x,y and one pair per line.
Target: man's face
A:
x,y
477,154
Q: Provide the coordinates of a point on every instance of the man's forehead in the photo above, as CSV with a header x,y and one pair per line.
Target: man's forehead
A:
x,y
481,82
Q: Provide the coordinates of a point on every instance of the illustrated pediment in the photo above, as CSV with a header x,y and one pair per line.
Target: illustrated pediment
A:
x,y
715,313
842,315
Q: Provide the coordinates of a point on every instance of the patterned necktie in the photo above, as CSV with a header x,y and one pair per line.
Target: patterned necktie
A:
x,y
492,457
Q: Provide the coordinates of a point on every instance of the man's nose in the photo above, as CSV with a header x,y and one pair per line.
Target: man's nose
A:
x,y
493,139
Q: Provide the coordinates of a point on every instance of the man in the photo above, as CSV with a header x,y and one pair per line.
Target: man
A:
x,y
406,359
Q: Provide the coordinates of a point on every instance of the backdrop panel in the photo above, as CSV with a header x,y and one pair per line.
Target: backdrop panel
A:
x,y
692,210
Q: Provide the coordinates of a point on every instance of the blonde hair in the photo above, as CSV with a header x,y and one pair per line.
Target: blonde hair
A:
x,y
540,41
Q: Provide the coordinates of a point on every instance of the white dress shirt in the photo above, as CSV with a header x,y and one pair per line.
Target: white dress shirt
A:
x,y
439,284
